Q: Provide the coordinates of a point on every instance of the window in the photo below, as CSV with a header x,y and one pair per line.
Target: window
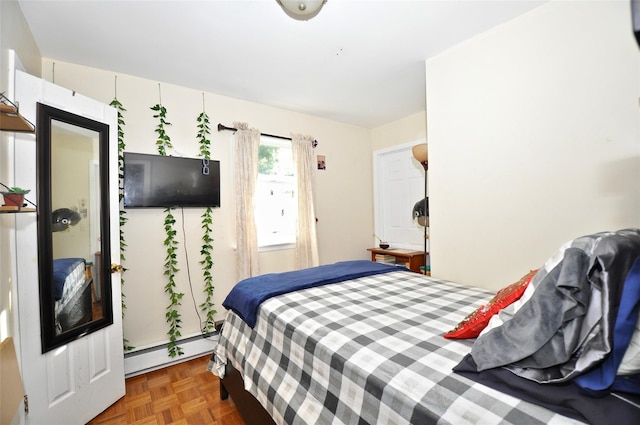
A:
x,y
276,201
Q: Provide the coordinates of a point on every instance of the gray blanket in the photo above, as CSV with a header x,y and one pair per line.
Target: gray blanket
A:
x,y
566,327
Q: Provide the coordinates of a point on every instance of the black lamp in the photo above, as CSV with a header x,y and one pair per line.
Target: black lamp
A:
x,y
421,154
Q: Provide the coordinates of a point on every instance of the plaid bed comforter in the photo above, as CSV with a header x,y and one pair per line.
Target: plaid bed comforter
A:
x,y
368,351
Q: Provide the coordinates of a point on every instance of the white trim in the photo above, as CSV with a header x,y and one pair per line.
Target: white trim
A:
x,y
154,357
94,207
276,247
14,64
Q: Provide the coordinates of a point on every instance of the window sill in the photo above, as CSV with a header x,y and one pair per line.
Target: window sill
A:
x,y
277,247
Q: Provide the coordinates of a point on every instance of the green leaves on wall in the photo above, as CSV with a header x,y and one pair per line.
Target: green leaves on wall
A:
x,y
122,219
164,141
207,307
172,314
170,269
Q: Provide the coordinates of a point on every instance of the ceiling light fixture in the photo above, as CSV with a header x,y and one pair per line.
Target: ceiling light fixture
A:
x,y
301,9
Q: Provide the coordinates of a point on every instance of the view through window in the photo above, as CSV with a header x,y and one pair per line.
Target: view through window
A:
x,y
276,198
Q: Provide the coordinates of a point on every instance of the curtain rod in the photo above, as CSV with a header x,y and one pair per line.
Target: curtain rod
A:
x,y
222,127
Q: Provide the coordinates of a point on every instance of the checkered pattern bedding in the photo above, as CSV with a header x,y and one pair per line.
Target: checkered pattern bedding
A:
x,y
368,351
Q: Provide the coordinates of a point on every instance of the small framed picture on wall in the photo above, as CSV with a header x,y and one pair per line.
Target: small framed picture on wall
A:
x,y
322,162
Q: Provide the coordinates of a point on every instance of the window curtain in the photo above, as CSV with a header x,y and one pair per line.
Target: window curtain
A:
x,y
247,142
306,238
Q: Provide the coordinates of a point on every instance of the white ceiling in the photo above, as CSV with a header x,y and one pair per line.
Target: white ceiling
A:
x,y
359,61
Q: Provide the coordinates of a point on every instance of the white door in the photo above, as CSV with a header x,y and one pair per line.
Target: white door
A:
x,y
73,383
398,185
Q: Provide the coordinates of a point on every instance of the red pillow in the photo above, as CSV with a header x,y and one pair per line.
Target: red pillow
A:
x,y
474,323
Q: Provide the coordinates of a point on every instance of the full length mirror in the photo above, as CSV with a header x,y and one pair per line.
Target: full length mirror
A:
x,y
73,226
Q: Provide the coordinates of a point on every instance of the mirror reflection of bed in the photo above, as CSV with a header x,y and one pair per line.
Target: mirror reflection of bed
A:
x,y
72,280
75,227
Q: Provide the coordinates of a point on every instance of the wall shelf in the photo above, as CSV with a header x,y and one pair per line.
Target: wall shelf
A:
x,y
10,118
7,209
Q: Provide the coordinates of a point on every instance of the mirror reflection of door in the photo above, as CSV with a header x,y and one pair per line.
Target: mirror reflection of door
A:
x,y
75,204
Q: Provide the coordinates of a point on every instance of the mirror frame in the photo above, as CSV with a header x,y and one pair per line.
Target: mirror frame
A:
x,y
45,115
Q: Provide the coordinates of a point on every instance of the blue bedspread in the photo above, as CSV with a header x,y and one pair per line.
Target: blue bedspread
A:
x,y
245,298
61,269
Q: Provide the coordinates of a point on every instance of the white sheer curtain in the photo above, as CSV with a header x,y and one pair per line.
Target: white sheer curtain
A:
x,y
306,238
247,142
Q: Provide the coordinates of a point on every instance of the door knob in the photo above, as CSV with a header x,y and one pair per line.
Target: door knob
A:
x,y
116,268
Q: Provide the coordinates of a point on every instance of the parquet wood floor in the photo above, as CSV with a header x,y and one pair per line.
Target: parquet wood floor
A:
x,y
183,394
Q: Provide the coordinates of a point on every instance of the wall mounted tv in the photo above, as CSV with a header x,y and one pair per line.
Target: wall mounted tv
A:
x,y
170,181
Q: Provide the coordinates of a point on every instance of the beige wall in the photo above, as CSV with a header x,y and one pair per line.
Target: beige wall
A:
x,y
344,226
14,35
70,162
408,129
534,139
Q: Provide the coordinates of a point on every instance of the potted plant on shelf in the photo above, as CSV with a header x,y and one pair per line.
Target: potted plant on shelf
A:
x,y
14,197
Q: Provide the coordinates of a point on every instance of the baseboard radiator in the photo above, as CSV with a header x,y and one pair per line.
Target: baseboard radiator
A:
x,y
147,359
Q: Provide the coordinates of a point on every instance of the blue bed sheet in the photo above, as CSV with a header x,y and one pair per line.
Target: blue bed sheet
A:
x,y
247,295
61,269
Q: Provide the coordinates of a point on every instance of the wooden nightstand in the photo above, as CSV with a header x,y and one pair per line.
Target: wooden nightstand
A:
x,y
411,259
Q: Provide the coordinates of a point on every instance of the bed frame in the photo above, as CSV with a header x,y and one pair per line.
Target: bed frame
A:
x,y
438,388
250,409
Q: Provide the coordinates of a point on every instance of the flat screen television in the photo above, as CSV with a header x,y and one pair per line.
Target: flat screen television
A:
x,y
170,181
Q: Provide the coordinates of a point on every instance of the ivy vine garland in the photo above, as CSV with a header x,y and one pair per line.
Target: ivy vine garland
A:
x,y
164,141
172,314
122,214
170,269
207,307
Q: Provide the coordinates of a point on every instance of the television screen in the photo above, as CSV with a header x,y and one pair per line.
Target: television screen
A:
x,y
170,181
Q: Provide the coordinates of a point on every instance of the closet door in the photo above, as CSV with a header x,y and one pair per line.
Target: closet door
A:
x,y
72,383
398,185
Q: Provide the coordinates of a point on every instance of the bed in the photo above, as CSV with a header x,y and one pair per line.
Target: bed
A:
x,y
370,349
72,293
